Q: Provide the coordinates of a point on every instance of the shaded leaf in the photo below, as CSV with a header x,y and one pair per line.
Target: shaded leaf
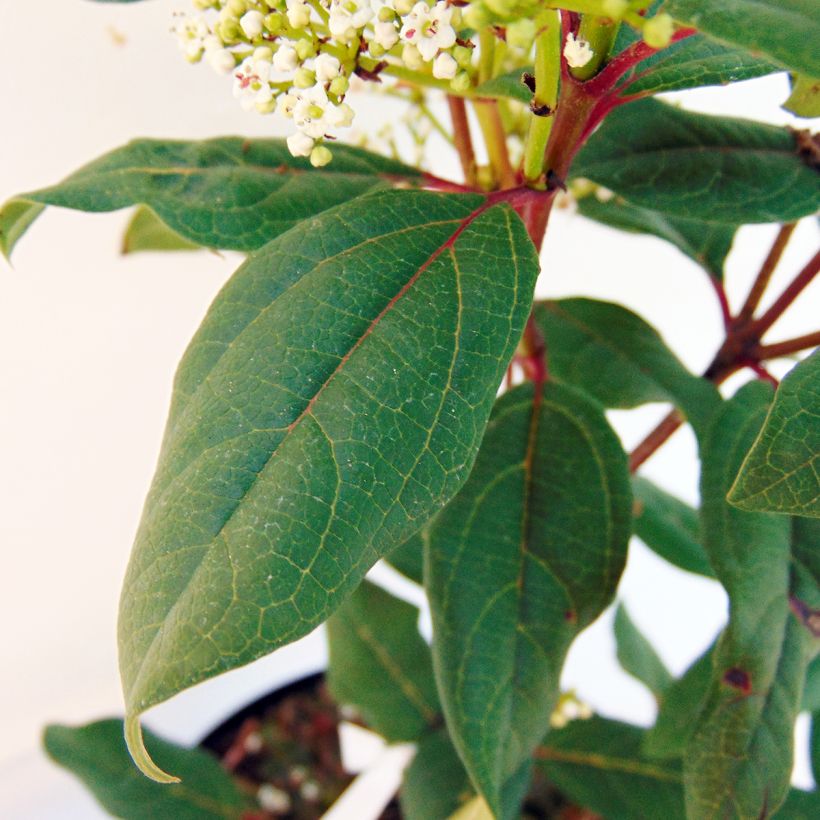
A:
x,y
598,763
510,86
707,243
783,30
147,232
638,657
527,555
804,100
669,527
716,169
367,343
408,559
380,664
782,471
619,359
811,689
96,754
227,192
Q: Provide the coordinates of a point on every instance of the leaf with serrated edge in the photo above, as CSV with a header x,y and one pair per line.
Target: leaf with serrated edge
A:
x,y
96,754
332,401
782,471
380,664
739,758
615,356
229,193
638,657
783,30
716,169
527,555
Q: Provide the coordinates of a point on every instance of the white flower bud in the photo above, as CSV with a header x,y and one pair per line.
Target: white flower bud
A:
x,y
327,68
444,66
299,144
285,59
411,57
577,52
385,35
251,23
220,60
298,13
286,104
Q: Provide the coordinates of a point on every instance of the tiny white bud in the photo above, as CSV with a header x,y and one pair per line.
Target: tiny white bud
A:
x,y
327,68
411,57
577,52
299,144
444,66
298,13
272,799
251,23
285,59
310,788
385,35
220,60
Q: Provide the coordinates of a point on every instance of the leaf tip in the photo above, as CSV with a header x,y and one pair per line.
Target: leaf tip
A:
x,y
139,754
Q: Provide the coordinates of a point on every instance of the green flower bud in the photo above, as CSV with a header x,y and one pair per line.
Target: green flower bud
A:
x,y
339,86
304,78
461,82
274,23
615,9
658,31
267,107
386,15
404,6
503,8
305,48
521,33
237,7
375,49
477,17
320,156
229,31
462,55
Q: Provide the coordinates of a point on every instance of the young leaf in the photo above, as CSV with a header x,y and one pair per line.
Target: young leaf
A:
x,y
332,401
615,356
804,100
227,193
527,555
669,527
707,243
96,754
786,31
510,86
638,657
380,663
598,764
782,471
147,232
739,759
715,169
408,559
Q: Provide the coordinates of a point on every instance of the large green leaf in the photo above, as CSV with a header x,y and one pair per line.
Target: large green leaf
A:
x,y
147,232
696,166
615,356
691,63
707,243
598,763
638,657
669,527
332,401
380,663
97,755
784,30
527,555
738,761
228,193
782,471
408,559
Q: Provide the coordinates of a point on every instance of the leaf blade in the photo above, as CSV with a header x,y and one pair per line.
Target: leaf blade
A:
x,y
638,657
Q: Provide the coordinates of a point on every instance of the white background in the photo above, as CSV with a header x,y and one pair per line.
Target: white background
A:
x,y
89,341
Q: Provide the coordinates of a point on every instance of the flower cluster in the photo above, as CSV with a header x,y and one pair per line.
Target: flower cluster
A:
x,y
298,57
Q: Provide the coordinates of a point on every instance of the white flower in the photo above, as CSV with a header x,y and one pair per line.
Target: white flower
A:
x,y
299,144
220,60
429,29
385,35
285,59
251,84
577,52
327,68
298,13
348,18
251,23
444,66
191,32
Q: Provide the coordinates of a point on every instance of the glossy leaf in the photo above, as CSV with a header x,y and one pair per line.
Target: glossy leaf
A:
x,y
783,30
527,555
367,343
598,764
782,471
147,232
739,759
616,357
96,754
707,243
408,559
669,527
715,169
227,193
380,664
638,657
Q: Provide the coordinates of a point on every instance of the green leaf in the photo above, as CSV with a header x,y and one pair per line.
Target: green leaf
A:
x,y
692,63
598,764
435,784
228,192
782,471
96,754
800,805
715,169
527,555
619,359
680,708
408,559
638,657
380,664
332,401
147,232
811,690
507,86
707,243
804,100
739,759
783,30
669,527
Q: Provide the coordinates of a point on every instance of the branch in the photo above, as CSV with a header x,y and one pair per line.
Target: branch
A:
x,y
778,350
462,139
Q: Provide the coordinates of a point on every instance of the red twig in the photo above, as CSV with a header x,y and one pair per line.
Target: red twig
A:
x,y
779,349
